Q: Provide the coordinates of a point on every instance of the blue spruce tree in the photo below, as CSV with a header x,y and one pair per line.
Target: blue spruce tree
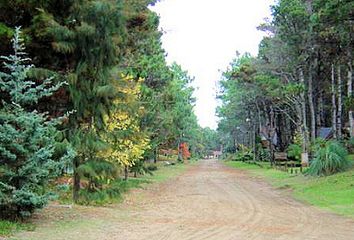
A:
x,y
27,137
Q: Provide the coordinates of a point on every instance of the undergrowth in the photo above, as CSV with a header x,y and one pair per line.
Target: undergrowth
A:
x,y
111,194
330,157
115,189
9,227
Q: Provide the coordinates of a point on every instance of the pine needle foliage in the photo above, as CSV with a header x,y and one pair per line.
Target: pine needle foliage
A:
x,y
140,168
92,40
16,84
97,173
28,139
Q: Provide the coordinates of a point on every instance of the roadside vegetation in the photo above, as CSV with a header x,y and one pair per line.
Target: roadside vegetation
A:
x,y
154,173
90,108
92,77
334,193
9,227
67,213
287,113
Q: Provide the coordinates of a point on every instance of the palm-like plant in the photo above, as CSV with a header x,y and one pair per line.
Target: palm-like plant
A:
x,y
330,158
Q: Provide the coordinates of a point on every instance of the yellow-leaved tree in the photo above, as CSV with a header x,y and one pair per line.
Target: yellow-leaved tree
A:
x,y
127,143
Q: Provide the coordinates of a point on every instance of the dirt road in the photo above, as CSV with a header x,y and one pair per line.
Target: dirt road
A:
x,y
209,201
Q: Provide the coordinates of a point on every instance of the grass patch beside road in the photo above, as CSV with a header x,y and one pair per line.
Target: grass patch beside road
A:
x,y
334,193
64,220
118,187
166,172
7,227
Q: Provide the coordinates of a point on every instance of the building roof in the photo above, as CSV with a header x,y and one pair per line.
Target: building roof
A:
x,y
325,133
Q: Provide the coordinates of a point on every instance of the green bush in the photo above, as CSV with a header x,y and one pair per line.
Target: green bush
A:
x,y
141,168
243,156
350,145
294,151
110,193
330,157
228,156
97,173
263,154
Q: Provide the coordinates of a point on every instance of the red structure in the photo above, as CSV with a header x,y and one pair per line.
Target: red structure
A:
x,y
184,150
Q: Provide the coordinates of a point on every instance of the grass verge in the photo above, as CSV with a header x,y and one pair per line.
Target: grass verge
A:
x,y
62,218
7,228
117,188
166,172
334,193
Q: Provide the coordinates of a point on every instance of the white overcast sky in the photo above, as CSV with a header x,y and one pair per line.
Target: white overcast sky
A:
x,y
204,35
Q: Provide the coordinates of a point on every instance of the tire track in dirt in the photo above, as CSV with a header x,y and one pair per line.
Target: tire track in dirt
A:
x,y
228,204
213,202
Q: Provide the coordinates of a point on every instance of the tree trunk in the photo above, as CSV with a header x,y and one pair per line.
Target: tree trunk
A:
x,y
234,136
313,63
350,92
271,135
334,103
156,155
304,119
304,132
259,117
125,173
311,105
319,113
340,103
254,143
76,178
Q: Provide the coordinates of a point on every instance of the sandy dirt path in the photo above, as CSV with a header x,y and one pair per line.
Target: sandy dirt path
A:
x,y
209,201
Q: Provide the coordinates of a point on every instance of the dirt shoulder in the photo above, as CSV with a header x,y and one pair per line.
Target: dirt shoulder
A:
x,y
208,201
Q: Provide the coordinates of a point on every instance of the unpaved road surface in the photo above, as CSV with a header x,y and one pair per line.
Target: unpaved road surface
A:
x,y
209,201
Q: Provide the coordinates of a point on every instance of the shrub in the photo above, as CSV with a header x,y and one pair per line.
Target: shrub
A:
x,y
110,193
330,158
294,151
140,168
263,154
350,145
97,173
243,154
228,157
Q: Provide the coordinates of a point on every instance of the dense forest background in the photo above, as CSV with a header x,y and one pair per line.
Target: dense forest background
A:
x,y
99,76
86,93
298,90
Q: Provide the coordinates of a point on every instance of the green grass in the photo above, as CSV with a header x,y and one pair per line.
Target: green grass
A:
x,y
115,193
334,193
65,222
7,228
166,172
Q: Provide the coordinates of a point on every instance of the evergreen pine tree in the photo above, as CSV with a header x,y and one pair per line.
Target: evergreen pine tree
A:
x,y
27,137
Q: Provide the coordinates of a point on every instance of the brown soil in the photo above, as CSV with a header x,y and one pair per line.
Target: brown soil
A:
x,y
209,201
